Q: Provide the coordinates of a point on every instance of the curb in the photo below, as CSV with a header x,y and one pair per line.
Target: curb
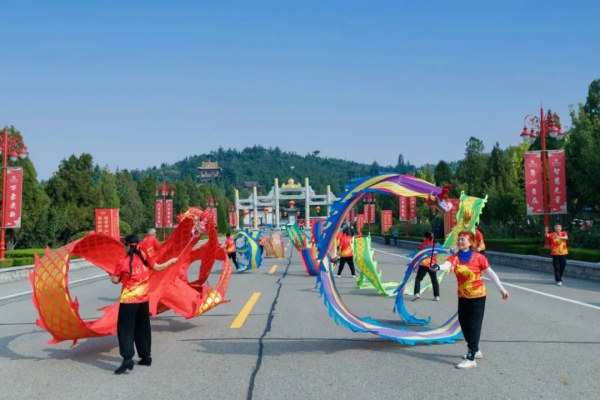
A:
x,y
21,273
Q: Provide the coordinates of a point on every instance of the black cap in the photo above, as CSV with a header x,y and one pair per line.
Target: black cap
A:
x,y
131,240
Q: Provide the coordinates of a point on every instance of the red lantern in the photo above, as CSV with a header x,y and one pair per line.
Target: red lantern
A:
x,y
246,212
291,203
318,209
266,209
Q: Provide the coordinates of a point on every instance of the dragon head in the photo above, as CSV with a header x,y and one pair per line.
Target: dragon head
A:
x,y
203,220
440,201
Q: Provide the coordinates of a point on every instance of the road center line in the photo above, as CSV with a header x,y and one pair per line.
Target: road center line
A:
x,y
272,270
238,322
70,283
520,287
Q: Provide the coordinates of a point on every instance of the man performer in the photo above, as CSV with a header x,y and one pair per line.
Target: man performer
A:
x,y
150,244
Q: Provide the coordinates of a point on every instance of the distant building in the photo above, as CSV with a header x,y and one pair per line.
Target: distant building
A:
x,y
209,171
250,184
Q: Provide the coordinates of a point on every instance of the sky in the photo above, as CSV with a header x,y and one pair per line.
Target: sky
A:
x,y
141,83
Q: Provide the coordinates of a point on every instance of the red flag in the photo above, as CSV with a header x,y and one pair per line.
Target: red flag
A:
x,y
403,208
360,221
12,198
412,209
450,217
107,221
386,221
158,216
168,214
558,187
534,182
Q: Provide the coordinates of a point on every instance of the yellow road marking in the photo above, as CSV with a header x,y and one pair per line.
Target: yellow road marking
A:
x,y
238,322
272,270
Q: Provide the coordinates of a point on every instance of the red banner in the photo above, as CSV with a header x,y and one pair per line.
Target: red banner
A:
x,y
168,213
372,214
12,198
214,215
386,221
558,187
158,215
402,208
533,183
412,209
350,216
107,221
450,217
360,221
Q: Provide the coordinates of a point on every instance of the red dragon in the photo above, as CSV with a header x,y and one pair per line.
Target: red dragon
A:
x,y
169,289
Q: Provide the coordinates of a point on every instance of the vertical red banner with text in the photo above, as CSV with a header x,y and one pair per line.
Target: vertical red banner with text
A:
x,y
158,216
12,198
533,183
168,213
114,223
215,216
558,187
360,221
386,221
107,221
402,208
450,217
350,216
412,209
366,212
372,213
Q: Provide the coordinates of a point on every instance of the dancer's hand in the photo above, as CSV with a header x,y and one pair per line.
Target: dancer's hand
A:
x,y
173,261
435,267
504,294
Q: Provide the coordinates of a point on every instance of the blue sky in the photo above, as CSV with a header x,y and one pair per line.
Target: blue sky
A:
x,y
146,82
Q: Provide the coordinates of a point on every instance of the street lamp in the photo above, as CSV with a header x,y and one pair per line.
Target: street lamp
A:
x,y
369,198
211,205
164,190
543,126
13,148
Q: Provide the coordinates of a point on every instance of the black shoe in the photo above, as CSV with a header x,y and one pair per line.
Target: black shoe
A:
x,y
145,361
127,365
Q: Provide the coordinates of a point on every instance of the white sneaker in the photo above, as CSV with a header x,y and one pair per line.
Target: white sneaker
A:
x,y
354,276
436,298
417,297
339,276
478,355
559,283
467,364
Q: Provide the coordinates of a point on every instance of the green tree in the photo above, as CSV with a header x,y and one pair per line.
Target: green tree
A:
x,y
442,174
471,171
107,184
73,197
146,190
132,208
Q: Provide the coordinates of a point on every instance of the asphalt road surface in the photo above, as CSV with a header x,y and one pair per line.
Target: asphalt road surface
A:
x,y
541,343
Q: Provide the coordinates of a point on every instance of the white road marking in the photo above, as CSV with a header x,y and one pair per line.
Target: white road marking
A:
x,y
520,287
71,282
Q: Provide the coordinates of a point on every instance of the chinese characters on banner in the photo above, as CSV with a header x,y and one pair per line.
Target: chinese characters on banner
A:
x,y
350,216
11,199
558,187
407,207
386,221
232,219
159,214
450,217
213,214
107,221
533,183
168,214
403,208
360,221
369,213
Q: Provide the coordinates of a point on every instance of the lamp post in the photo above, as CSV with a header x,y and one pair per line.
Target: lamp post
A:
x,y
541,127
13,148
164,190
369,198
211,205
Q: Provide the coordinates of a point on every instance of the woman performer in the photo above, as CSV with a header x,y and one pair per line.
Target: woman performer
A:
x,y
346,253
133,323
230,250
424,269
467,265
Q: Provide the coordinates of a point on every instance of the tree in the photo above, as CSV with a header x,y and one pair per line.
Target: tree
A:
x,y
498,166
471,171
73,196
146,191
108,190
592,104
132,208
442,174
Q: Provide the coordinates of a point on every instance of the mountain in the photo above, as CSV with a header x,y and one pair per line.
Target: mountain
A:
x,y
262,165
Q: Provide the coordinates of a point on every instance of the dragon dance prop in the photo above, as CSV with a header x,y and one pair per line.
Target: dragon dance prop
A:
x,y
169,288
304,246
396,185
247,247
274,246
363,254
467,218
297,237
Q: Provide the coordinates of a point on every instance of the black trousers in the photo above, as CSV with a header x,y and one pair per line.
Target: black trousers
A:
x,y
559,263
262,249
233,257
470,316
350,261
432,275
395,241
133,326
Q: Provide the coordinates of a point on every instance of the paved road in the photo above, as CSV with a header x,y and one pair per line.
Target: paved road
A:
x,y
535,345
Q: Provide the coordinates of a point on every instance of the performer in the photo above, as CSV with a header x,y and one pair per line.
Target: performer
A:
x,y
424,268
133,323
150,244
230,250
558,244
261,244
479,243
468,265
346,253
